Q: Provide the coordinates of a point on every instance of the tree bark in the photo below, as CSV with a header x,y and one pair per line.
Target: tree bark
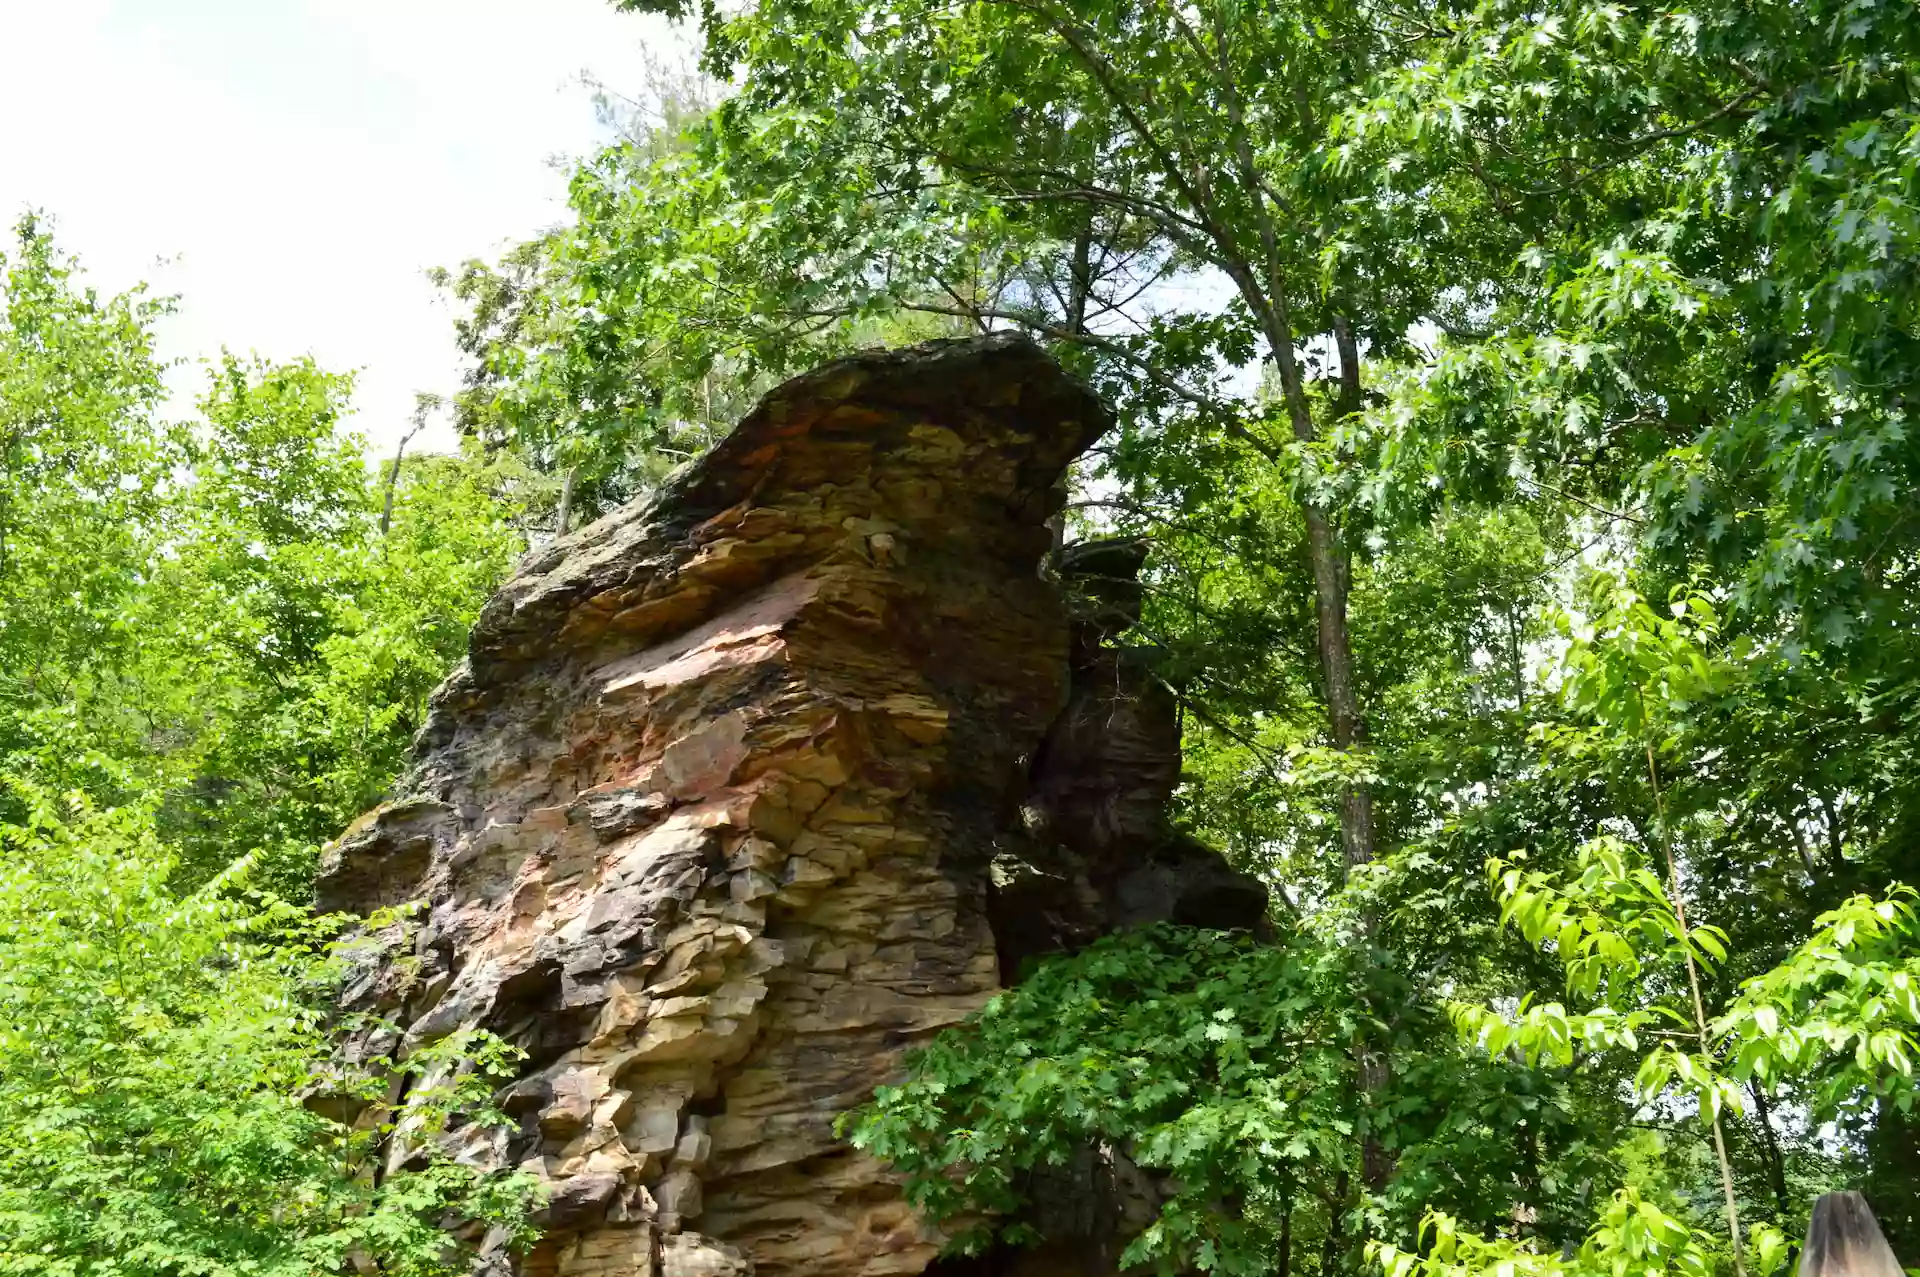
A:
x,y
1335,1240
566,502
393,481
1332,579
1080,287
1332,570
1331,584
1286,1237
1776,1161
1258,275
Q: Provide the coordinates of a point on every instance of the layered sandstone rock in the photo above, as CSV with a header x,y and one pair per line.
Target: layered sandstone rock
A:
x,y
745,791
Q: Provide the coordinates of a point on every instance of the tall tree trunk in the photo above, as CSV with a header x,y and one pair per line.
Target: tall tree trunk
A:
x,y
1331,584
1776,1161
1332,580
393,481
1286,1236
566,502
1513,659
1080,287
1260,278
422,405
1335,1241
1701,1029
1332,573
6,499
1526,1210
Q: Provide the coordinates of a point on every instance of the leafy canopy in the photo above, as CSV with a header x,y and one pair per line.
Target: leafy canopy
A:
x,y
154,1051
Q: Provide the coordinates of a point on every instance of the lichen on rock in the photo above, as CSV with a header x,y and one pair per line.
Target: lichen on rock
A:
x,y
746,790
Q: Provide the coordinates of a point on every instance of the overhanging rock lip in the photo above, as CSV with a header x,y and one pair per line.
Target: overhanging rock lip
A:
x,y
951,380
1018,379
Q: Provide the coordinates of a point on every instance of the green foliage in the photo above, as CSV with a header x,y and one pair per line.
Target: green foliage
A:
x,y
1210,1058
1220,1066
1837,1006
1617,933
1840,1013
211,607
83,464
1713,314
1446,343
1413,319
1633,1238
302,642
154,1048
211,658
1836,1014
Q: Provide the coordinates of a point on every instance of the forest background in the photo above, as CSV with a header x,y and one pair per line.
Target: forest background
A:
x,y
1515,400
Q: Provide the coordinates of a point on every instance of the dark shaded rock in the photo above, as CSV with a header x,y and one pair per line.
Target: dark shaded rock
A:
x,y
1096,853
578,1200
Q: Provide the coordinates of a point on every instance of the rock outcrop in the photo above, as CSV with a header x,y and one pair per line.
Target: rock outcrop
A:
x,y
745,791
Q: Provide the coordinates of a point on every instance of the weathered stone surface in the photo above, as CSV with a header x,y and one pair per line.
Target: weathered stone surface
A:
x,y
1094,853
744,792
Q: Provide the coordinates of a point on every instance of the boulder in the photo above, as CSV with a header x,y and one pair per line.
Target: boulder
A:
x,y
748,789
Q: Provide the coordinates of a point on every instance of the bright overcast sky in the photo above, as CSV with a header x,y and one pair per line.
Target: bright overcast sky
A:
x,y
300,163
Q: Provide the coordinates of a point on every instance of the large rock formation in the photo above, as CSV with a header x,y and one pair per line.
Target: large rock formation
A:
x,y
745,791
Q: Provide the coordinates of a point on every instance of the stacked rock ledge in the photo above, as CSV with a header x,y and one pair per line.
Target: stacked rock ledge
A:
x,y
722,813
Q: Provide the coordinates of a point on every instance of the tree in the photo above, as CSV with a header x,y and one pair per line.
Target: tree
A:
x,y
293,639
84,463
210,613
154,1050
211,656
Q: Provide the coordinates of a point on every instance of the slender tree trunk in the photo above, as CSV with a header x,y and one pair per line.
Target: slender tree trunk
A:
x,y
6,501
1286,1236
1079,292
1332,572
1080,287
1267,299
1776,1161
1836,841
1332,581
1331,584
566,502
1335,1241
393,481
1526,1211
1800,845
422,405
1513,656
1699,1015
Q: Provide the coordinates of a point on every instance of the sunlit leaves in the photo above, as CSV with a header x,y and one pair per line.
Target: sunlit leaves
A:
x,y
1718,202
1842,1011
1208,1058
83,463
154,1052
1633,1237
207,612
1631,671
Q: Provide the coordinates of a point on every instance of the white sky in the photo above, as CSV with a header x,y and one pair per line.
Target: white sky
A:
x,y
300,163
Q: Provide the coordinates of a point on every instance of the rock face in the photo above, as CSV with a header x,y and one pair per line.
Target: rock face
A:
x,y
744,792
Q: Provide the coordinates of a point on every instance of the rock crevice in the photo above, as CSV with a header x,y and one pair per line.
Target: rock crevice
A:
x,y
745,791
